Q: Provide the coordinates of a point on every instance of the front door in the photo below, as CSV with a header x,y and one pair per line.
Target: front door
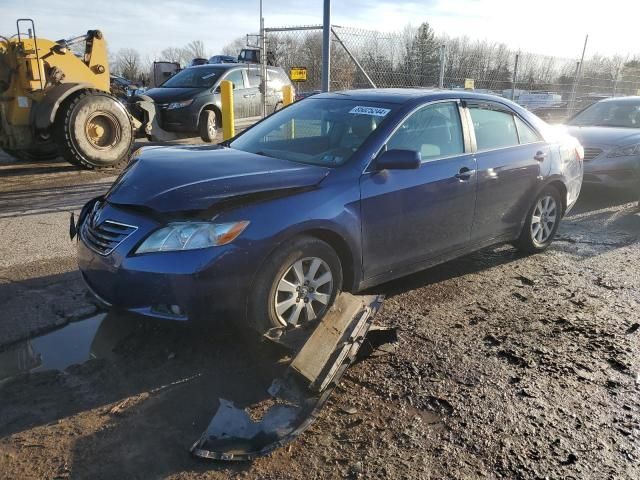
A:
x,y
511,158
411,216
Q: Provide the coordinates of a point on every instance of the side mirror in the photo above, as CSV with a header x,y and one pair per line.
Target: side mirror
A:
x,y
398,160
217,89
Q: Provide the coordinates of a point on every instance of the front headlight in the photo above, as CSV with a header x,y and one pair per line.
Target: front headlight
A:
x,y
184,103
625,151
191,235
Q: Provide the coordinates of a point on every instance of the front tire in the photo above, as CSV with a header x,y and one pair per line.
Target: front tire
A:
x,y
207,126
297,284
94,130
541,223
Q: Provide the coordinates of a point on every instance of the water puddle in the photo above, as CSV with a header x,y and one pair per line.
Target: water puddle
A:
x,y
55,350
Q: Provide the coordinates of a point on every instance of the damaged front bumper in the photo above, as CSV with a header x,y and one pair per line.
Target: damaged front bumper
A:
x,y
318,360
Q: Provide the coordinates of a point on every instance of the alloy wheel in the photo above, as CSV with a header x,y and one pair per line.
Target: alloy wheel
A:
x,y
303,292
544,218
211,126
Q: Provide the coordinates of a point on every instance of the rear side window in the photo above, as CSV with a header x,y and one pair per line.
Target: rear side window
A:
x,y
494,128
526,133
433,131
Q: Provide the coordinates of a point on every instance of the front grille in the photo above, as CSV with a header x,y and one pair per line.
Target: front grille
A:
x,y
591,152
105,237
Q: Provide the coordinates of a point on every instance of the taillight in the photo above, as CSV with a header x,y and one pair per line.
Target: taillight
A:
x,y
580,152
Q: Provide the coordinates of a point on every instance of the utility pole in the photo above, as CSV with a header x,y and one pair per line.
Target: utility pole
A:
x,y
326,46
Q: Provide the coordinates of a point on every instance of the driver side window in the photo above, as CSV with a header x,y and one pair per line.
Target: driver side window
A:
x,y
434,131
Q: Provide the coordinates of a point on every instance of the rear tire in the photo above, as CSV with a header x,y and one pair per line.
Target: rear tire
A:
x,y
318,262
541,223
207,126
94,130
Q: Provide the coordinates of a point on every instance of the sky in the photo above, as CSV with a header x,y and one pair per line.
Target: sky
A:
x,y
551,27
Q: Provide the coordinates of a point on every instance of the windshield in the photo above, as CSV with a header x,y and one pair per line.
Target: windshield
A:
x,y
609,114
318,131
194,78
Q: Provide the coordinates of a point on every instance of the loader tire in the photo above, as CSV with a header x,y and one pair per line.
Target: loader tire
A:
x,y
94,130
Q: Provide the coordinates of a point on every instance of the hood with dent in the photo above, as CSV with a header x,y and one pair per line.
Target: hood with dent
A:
x,y
589,135
169,94
191,178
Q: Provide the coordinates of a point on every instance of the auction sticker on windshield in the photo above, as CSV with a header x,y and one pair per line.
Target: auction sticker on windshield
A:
x,y
375,111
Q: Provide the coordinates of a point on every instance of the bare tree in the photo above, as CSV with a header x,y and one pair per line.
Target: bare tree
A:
x,y
233,48
194,49
172,54
127,61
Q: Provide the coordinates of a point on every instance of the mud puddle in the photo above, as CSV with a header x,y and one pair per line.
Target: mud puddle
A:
x,y
55,350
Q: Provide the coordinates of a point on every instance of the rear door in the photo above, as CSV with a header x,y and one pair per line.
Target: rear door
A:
x,y
511,160
411,216
236,76
254,98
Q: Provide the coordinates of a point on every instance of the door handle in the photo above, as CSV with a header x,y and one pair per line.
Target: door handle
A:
x,y
464,174
540,156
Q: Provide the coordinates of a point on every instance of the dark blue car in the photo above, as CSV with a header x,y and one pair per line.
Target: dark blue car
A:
x,y
340,192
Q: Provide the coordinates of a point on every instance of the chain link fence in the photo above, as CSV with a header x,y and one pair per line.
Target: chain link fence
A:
x,y
553,87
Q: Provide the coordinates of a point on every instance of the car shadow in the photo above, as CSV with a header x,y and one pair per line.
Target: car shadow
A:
x,y
149,392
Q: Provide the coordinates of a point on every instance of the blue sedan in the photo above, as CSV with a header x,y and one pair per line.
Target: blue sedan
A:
x,y
342,191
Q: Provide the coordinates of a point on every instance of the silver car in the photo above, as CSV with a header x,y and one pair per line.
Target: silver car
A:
x,y
609,131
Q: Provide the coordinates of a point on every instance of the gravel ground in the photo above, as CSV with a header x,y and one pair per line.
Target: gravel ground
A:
x,y
506,367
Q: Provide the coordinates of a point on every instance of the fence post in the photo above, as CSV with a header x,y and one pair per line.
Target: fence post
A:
x,y
226,94
443,56
326,46
572,97
514,79
263,64
615,82
577,78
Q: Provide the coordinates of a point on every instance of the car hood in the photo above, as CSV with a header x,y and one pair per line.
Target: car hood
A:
x,y
604,135
166,95
196,178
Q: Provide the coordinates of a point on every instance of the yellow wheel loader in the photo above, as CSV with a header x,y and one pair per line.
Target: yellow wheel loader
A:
x,y
55,100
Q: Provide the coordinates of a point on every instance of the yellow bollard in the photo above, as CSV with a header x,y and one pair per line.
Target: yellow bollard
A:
x,y
226,94
287,95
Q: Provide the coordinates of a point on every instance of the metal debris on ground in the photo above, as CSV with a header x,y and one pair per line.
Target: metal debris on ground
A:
x,y
319,357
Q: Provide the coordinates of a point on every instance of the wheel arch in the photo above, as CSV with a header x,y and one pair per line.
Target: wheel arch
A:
x,y
344,251
562,190
216,110
44,113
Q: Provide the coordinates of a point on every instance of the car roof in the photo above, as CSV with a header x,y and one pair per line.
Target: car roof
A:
x,y
222,66
633,99
405,95
227,66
